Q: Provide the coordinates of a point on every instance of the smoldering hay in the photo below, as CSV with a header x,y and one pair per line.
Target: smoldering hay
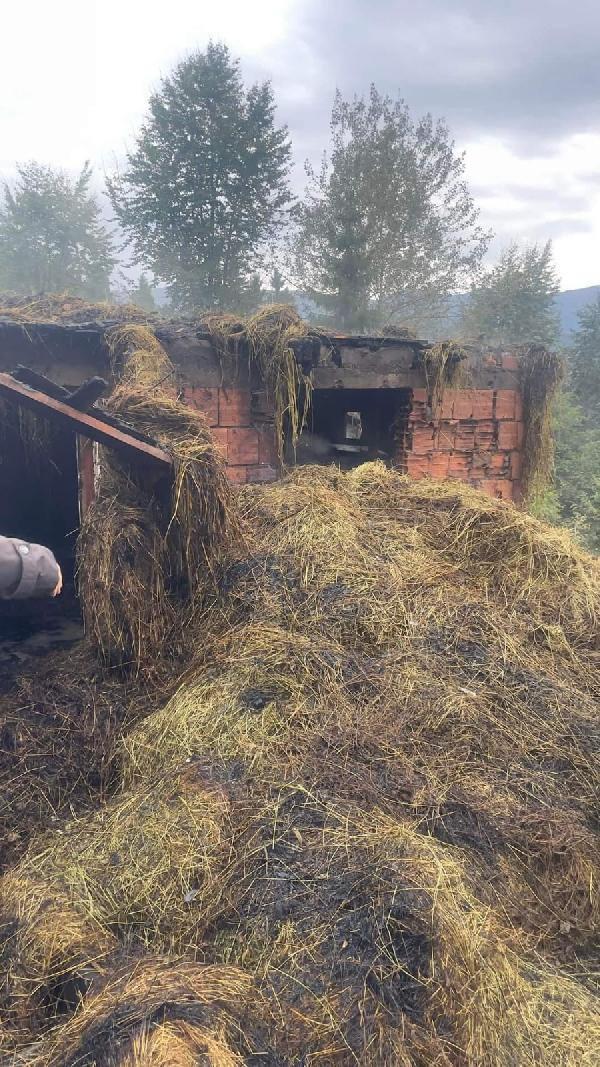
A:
x,y
353,809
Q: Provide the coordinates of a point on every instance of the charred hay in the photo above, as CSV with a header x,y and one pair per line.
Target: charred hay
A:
x,y
372,799
355,819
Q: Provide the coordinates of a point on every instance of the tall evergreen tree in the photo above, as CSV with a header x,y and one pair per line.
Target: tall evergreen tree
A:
x,y
584,358
52,238
387,227
142,295
514,302
207,184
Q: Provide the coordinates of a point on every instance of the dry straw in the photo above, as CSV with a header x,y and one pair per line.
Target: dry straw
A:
x,y
361,825
368,808
266,340
144,556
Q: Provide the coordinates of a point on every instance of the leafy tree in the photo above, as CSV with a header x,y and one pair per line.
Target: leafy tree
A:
x,y
52,238
514,302
574,500
584,358
387,227
207,184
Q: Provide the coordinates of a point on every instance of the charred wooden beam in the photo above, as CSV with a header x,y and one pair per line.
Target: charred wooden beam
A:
x,y
86,425
45,385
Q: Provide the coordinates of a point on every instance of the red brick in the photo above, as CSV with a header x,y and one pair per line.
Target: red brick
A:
x,y
458,463
242,445
263,473
464,437
510,361
234,407
438,465
484,433
488,486
205,400
220,437
519,407
419,396
446,433
237,474
505,403
422,440
516,465
508,435
517,492
463,405
483,404
520,434
416,466
499,461
267,450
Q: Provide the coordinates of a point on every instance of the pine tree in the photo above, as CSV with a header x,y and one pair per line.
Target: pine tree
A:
x,y
142,295
387,228
277,284
514,302
207,184
584,358
52,238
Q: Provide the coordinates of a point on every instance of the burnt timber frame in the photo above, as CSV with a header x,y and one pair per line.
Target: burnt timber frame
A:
x,y
85,424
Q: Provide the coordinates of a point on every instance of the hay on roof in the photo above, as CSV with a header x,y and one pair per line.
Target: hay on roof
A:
x,y
266,339
66,308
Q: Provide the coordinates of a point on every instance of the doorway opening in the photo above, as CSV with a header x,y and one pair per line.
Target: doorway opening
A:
x,y
360,425
39,502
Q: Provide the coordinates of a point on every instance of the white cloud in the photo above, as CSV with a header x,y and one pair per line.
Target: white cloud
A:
x,y
76,75
555,195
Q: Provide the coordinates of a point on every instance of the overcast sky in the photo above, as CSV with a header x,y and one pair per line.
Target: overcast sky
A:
x,y
517,80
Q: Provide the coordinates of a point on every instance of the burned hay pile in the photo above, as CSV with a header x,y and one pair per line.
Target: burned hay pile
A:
x,y
362,829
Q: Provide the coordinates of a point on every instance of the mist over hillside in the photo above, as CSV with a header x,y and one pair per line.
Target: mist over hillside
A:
x,y
570,303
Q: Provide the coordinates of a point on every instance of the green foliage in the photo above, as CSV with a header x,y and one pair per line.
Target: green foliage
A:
x,y
142,295
52,238
584,358
387,227
574,501
207,184
514,302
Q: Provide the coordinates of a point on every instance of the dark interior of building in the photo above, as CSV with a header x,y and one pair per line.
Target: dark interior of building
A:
x,y
352,426
38,502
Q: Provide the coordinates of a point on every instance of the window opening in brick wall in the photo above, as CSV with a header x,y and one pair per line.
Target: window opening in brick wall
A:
x,y
354,426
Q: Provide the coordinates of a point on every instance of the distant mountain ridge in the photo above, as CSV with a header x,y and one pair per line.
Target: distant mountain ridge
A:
x,y
569,303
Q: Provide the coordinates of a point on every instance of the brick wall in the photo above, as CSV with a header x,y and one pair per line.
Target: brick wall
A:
x,y
242,426
476,438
